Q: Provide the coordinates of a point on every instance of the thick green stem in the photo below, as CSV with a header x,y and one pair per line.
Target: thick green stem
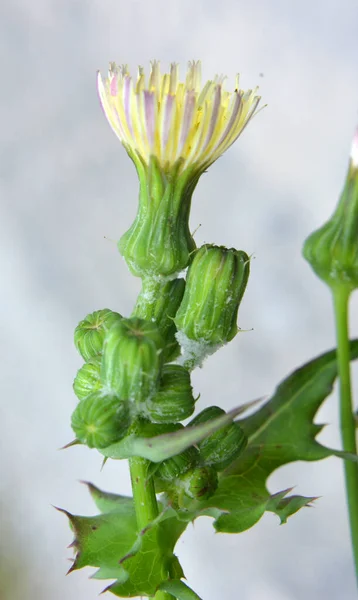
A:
x,y
145,500
347,421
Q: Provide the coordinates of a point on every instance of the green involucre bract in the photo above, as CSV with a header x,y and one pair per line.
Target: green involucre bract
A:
x,y
132,359
216,283
87,379
90,333
158,302
100,420
221,448
171,468
199,483
332,250
174,400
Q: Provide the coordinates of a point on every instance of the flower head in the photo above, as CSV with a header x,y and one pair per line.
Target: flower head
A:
x,y
179,123
332,250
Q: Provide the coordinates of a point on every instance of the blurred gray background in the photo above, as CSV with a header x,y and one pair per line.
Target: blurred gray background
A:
x,y
68,191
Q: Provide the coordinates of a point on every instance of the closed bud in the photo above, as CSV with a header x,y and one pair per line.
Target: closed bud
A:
x,y
173,467
132,359
90,333
221,448
199,483
88,379
158,302
174,400
101,420
332,250
207,316
159,242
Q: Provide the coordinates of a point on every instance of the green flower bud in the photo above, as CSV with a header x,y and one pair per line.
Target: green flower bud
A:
x,y
221,448
90,333
132,359
100,420
171,468
159,242
158,302
88,379
174,400
207,316
332,250
199,483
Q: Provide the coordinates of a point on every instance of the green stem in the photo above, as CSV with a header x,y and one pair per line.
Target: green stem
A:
x,y
145,500
144,497
347,421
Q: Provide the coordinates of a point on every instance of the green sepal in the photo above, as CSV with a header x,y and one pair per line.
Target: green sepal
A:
x,y
132,359
90,332
88,378
159,242
174,400
101,419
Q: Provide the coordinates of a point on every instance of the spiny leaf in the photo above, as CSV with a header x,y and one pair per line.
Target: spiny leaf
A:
x,y
285,507
179,590
138,561
107,502
161,447
280,432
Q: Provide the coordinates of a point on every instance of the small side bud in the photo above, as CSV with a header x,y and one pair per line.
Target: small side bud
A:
x,y
132,359
207,316
222,447
173,467
90,333
100,420
159,304
332,250
199,483
88,379
174,401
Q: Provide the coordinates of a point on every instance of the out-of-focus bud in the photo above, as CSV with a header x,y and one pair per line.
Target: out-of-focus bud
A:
x,y
132,359
332,250
101,420
158,302
199,483
171,468
207,316
88,379
90,333
174,400
221,448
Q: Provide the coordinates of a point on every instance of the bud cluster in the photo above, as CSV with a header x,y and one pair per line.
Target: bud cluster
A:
x,y
126,375
192,474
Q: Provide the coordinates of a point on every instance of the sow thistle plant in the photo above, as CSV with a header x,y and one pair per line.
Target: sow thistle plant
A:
x,y
134,389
